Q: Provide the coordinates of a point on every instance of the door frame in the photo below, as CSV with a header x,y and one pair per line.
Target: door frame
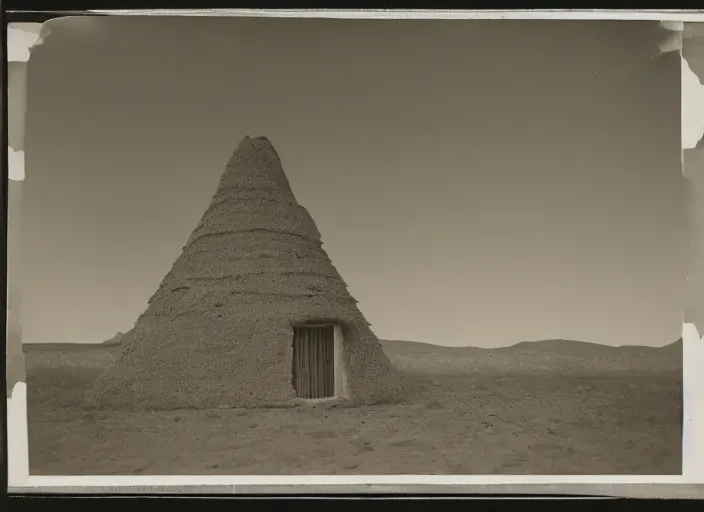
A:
x,y
340,385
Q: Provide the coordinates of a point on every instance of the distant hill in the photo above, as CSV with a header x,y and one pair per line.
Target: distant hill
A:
x,y
34,348
582,348
570,347
566,356
115,340
113,344
79,355
675,347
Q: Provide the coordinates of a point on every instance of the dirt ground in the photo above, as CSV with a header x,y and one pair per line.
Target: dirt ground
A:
x,y
548,423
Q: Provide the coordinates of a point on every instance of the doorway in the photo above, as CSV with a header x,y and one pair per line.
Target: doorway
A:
x,y
314,361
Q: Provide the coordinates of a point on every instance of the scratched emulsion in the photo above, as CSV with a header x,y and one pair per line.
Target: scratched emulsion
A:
x,y
218,331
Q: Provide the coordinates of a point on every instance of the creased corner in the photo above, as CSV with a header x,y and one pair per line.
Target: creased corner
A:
x,y
692,89
22,38
672,38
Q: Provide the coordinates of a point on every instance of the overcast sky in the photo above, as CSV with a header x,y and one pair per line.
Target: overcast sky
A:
x,y
475,182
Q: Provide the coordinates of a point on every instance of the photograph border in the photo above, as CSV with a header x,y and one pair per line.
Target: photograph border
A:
x,y
22,38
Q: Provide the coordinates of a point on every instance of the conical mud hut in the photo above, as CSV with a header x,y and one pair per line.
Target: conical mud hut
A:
x,y
252,314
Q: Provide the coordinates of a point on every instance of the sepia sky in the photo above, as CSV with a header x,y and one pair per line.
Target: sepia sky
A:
x,y
475,183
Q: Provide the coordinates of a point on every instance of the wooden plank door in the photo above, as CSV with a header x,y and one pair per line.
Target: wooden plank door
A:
x,y
313,361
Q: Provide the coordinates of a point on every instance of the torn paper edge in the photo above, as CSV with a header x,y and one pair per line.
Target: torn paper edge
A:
x,y
692,344
21,39
24,480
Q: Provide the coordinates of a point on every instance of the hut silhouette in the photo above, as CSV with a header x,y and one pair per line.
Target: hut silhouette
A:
x,y
252,313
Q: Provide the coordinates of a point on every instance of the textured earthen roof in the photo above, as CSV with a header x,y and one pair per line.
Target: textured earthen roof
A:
x,y
218,331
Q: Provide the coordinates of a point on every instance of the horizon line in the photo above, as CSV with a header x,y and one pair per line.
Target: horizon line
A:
x,y
542,340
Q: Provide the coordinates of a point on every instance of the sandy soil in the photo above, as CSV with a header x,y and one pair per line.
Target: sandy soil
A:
x,y
546,422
